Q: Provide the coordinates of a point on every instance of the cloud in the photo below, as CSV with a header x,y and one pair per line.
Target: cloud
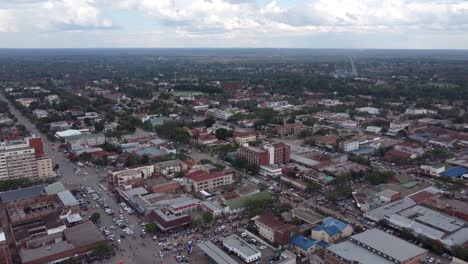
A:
x,y
7,21
72,15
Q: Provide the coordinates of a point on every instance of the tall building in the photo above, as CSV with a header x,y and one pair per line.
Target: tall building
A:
x,y
277,153
254,155
20,159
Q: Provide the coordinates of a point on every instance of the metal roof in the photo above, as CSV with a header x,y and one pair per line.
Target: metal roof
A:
x,y
67,198
215,253
388,244
245,248
350,251
23,193
455,172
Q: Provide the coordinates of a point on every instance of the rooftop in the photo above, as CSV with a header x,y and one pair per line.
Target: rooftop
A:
x,y
238,243
23,193
350,251
54,188
302,242
388,244
215,253
307,215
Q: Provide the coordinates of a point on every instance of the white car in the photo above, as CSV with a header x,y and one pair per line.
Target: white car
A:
x,y
262,247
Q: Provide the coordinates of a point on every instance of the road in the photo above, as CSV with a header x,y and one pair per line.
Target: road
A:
x,y
134,250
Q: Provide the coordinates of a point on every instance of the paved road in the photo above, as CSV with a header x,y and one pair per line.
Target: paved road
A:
x,y
134,250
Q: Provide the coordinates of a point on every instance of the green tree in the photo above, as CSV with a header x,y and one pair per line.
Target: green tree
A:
x,y
296,221
222,134
102,249
151,228
207,217
99,126
460,252
209,122
95,217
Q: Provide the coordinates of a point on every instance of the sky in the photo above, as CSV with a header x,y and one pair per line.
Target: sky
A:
x,y
361,24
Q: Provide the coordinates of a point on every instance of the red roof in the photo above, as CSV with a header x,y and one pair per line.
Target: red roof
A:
x,y
270,221
200,175
395,154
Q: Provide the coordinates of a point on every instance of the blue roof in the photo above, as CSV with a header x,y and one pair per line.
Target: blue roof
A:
x,y
322,244
455,172
330,221
22,193
332,230
303,242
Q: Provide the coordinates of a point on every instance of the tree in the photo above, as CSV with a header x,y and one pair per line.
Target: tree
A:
x,y
145,159
460,252
296,221
102,249
95,217
222,134
151,228
358,229
262,186
209,122
99,126
207,217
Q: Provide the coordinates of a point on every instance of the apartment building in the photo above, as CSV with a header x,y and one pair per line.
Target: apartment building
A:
x,y
44,167
18,159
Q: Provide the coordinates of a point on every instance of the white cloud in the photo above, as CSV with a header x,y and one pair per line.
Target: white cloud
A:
x,y
7,21
72,15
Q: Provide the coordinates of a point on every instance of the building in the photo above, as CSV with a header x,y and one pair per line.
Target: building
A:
x,y
68,243
278,153
270,170
166,219
374,246
241,248
415,111
243,138
215,253
432,170
274,230
282,153
44,167
389,195
331,230
369,110
4,252
349,145
121,177
303,245
82,141
374,129
20,159
202,180
254,155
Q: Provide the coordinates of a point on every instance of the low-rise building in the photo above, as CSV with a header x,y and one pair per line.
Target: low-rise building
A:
x,y
331,230
432,170
274,230
202,180
270,170
303,245
121,177
349,145
166,220
241,248
374,246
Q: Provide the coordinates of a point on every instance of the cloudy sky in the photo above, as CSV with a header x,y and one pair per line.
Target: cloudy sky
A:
x,y
234,23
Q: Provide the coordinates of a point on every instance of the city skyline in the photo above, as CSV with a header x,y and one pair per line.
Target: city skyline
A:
x,y
368,24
